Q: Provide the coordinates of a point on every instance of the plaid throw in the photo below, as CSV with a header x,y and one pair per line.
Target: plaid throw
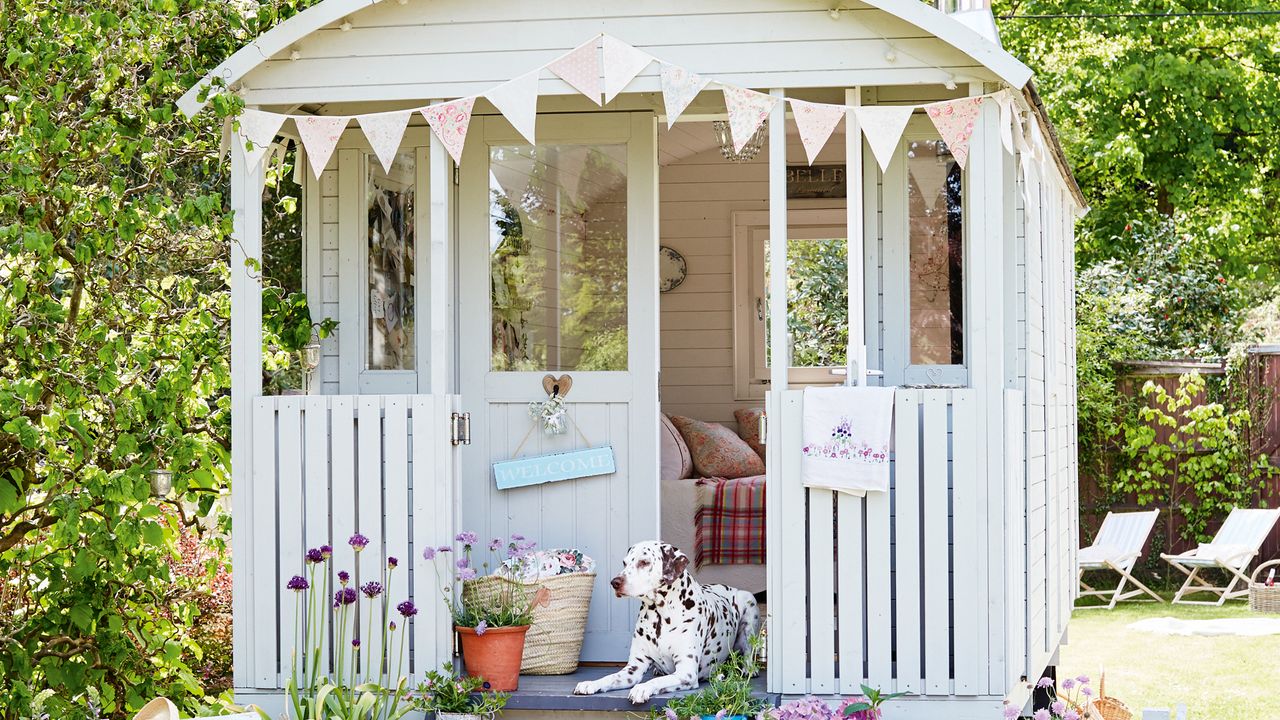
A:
x,y
730,521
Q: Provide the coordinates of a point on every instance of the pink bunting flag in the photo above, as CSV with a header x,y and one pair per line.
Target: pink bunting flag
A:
x,y
517,100
319,135
883,126
621,65
815,122
450,121
679,88
747,109
581,69
384,131
257,130
955,120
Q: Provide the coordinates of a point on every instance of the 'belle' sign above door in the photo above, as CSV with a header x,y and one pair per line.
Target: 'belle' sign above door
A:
x,y
523,472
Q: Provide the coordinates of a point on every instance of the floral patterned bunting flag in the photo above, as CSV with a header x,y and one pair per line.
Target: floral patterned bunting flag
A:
x,y
517,100
883,126
581,69
450,121
955,120
815,122
621,65
679,88
257,130
747,109
384,132
319,135
1008,116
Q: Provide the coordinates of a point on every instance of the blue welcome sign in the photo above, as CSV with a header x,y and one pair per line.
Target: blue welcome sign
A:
x,y
523,472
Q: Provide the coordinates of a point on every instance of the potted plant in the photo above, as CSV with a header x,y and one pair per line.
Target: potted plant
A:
x,y
728,695
453,697
491,626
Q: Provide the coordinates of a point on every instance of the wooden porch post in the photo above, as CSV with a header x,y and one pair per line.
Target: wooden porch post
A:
x,y
439,265
856,360
246,384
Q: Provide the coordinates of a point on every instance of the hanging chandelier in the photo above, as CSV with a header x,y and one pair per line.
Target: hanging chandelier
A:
x,y
724,136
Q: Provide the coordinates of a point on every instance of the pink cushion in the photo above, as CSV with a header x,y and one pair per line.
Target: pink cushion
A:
x,y
749,428
676,463
718,451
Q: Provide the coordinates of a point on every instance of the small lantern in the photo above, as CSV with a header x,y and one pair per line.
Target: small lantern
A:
x,y
161,482
311,356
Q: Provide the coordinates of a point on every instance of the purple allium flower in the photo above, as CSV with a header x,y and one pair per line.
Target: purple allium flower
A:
x,y
1044,682
517,537
1068,683
391,626
344,577
392,562
494,544
355,643
671,715
467,574
326,551
314,556
297,583
358,542
466,537
444,549
1041,714
429,554
1086,691
1011,712
482,627
1071,715
371,589
463,563
1082,679
1058,707
345,596
407,609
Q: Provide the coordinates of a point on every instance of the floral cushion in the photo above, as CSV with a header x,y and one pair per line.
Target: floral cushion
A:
x,y
749,428
717,451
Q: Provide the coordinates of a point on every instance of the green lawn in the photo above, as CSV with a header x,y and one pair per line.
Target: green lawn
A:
x,y
1219,678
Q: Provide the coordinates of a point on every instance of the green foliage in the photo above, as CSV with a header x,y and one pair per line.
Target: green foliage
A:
x,y
729,691
114,235
818,302
1204,469
446,692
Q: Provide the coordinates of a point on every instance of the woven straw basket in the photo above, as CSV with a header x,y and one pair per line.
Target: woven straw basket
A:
x,y
1109,708
1264,599
554,641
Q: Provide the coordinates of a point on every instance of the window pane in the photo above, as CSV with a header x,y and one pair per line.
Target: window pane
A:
x,y
391,265
936,255
817,301
558,244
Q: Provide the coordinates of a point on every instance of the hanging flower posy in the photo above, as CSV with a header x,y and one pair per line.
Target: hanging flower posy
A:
x,y
552,413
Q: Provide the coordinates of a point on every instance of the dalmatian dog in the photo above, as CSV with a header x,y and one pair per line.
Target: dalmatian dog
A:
x,y
684,628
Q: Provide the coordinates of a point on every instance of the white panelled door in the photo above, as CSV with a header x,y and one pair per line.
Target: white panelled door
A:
x,y
558,274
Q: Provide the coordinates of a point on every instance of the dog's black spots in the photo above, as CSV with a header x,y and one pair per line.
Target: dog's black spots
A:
x,y
688,603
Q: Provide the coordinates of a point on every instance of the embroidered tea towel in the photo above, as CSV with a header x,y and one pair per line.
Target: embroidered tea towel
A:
x,y
846,434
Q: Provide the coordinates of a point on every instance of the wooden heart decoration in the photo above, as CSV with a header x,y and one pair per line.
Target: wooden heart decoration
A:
x,y
552,384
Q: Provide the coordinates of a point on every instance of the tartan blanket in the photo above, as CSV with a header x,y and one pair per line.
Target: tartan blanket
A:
x,y
730,521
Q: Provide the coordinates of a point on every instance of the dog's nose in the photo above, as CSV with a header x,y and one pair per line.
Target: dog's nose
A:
x,y
616,583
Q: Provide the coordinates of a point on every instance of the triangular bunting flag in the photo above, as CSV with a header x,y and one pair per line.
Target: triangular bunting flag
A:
x,y
581,69
815,122
449,121
384,131
517,100
1008,116
319,135
883,126
621,65
257,130
747,109
955,120
679,88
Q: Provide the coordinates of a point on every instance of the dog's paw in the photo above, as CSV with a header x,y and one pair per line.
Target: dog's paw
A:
x,y
586,687
639,695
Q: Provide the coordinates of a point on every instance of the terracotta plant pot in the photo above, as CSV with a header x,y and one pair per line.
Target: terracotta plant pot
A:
x,y
494,655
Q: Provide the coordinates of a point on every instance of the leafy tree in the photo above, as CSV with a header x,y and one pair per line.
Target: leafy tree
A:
x,y
114,239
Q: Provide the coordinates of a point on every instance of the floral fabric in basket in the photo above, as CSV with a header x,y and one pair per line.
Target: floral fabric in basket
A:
x,y
543,564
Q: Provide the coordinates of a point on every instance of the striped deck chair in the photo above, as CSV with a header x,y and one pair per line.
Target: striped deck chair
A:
x,y
1117,547
1232,549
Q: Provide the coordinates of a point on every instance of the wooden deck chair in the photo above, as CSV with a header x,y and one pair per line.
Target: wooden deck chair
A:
x,y
1117,547
1232,549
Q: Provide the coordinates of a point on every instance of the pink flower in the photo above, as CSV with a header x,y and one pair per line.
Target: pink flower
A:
x,y
1044,682
1068,683
1058,707
1086,691
482,627
1071,715
1083,679
1041,714
1011,712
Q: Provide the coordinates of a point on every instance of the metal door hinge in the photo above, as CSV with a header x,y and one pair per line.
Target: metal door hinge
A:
x,y
457,175
764,428
460,428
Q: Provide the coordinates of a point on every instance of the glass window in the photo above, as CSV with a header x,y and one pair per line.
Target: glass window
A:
x,y
390,315
558,249
817,301
936,254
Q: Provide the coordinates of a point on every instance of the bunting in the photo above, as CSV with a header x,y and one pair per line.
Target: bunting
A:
x,y
747,110
815,122
450,121
679,88
1008,116
883,126
517,100
384,131
319,135
955,120
257,130
581,69
622,63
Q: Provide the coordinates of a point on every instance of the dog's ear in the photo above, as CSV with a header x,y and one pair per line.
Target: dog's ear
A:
x,y
674,563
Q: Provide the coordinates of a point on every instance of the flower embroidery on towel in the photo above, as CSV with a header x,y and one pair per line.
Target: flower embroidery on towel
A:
x,y
842,446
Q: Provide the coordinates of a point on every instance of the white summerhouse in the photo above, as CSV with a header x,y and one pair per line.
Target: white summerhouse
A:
x,y
458,283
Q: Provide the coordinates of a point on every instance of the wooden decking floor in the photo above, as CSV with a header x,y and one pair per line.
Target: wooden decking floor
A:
x,y
555,692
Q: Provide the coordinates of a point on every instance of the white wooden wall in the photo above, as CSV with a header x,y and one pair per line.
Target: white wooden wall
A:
x,y
324,468
320,198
